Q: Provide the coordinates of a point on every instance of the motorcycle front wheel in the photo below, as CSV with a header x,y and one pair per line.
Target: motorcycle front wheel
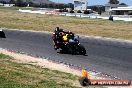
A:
x,y
82,50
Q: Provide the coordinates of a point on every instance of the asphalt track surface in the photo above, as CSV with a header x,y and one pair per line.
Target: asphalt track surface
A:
x,y
113,58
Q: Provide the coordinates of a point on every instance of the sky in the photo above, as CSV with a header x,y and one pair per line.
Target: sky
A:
x,y
95,2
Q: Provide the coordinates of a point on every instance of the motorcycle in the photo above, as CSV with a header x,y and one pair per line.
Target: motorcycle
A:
x,y
74,48
71,47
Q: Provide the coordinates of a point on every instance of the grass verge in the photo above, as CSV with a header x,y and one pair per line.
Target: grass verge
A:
x,y
21,75
14,75
10,18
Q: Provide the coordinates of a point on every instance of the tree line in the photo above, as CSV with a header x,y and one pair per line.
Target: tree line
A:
x,y
23,3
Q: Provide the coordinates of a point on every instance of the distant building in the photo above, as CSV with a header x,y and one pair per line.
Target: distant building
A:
x,y
80,4
110,6
97,8
121,11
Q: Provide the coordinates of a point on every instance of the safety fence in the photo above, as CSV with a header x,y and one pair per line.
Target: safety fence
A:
x,y
81,15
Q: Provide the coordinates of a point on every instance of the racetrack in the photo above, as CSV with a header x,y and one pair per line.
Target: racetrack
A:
x,y
109,57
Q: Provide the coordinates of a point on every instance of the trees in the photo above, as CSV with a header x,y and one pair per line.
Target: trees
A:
x,y
12,1
122,4
70,5
3,2
20,3
79,11
86,12
113,1
71,11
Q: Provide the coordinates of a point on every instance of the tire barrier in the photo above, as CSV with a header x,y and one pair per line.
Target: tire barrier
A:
x,y
51,13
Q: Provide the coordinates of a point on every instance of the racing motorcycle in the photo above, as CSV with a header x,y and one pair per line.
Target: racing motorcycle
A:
x,y
71,47
74,48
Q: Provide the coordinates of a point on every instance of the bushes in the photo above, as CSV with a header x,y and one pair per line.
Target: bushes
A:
x,y
63,10
86,12
79,11
71,11
60,10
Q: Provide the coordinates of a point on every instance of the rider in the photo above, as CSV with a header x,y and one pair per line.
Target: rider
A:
x,y
57,37
60,36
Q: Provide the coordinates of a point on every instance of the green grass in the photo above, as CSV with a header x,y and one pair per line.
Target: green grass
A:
x,y
3,56
95,27
14,75
5,83
21,75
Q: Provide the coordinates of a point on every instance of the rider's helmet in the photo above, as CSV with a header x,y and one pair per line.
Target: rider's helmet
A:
x,y
61,33
71,35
